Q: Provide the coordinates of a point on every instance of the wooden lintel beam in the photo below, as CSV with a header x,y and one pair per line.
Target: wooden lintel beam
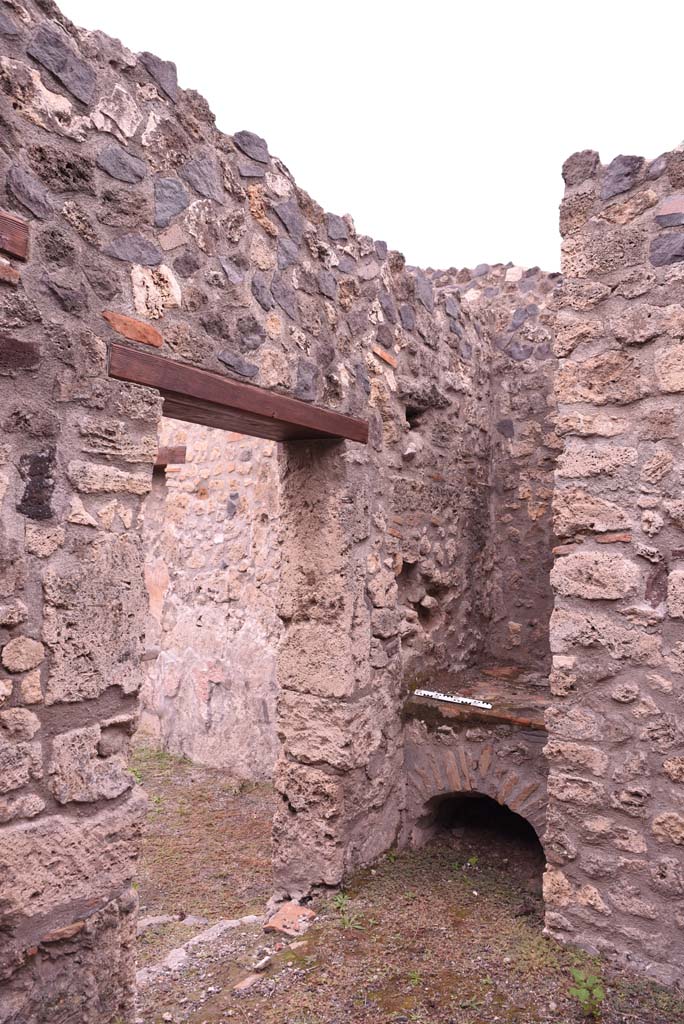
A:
x,y
171,455
199,396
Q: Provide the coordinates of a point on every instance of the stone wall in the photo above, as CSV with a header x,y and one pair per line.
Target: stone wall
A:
x,y
437,505
616,744
398,559
211,570
147,226
517,308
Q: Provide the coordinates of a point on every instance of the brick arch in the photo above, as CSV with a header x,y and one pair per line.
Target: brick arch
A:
x,y
509,769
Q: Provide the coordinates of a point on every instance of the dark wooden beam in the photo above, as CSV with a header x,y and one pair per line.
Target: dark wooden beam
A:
x,y
173,455
198,396
14,235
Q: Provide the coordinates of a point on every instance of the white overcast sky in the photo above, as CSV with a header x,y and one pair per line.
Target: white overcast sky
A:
x,y
440,125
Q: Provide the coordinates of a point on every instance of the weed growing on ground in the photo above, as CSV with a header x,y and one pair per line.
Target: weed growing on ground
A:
x,y
340,901
588,991
350,920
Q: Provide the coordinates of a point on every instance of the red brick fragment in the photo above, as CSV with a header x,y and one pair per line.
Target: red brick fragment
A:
x,y
134,330
290,919
9,275
386,356
67,932
14,235
614,538
502,671
564,549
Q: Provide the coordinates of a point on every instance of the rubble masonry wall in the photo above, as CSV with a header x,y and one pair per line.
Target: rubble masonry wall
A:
x,y
615,813
203,247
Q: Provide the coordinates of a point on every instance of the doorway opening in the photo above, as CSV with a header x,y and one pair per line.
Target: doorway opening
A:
x,y
209,739
211,570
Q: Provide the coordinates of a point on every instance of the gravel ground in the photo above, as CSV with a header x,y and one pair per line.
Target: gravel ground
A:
x,y
450,934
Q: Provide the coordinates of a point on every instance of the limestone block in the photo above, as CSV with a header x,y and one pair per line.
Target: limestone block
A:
x,y
669,826
155,289
19,762
675,510
576,208
669,369
651,522
667,875
113,510
625,691
658,423
599,829
30,688
628,899
657,467
570,628
584,425
577,756
23,806
642,323
78,773
308,843
5,689
573,789
18,724
575,510
114,438
78,513
589,896
317,658
584,295
13,613
674,768
595,576
57,861
570,332
117,113
261,254
22,653
591,256
43,541
94,619
675,594
41,106
627,210
315,730
558,891
583,461
610,378
93,478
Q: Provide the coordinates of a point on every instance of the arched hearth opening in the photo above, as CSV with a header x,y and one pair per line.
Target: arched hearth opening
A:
x,y
477,822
